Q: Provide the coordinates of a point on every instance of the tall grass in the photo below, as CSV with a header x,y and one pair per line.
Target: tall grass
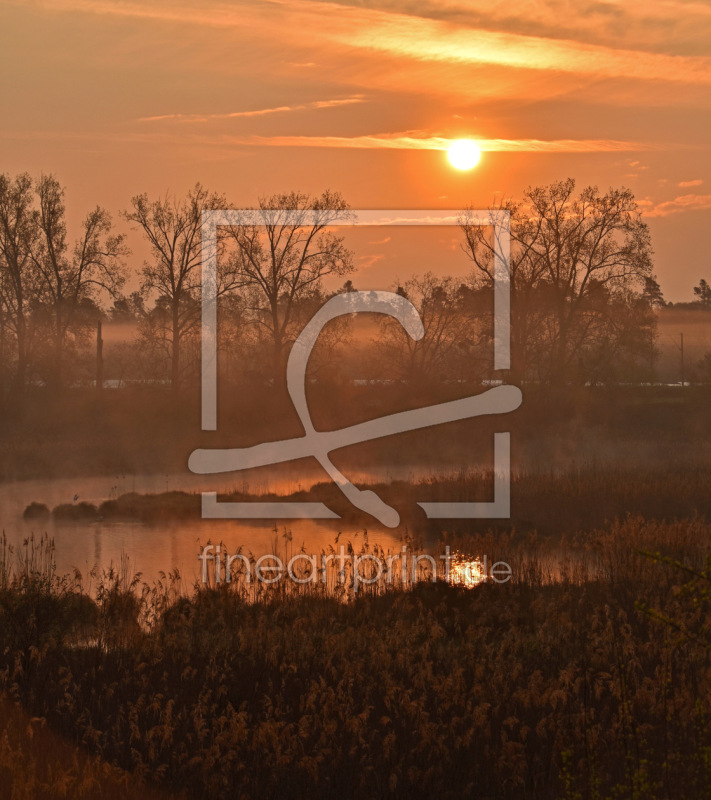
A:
x,y
581,682
36,764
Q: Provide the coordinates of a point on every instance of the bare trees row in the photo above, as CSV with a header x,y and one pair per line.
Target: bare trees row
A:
x,y
580,276
275,258
49,290
583,295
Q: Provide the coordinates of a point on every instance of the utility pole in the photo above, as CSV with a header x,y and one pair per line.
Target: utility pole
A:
x,y
99,358
682,359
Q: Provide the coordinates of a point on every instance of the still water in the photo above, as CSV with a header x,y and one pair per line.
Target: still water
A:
x,y
88,546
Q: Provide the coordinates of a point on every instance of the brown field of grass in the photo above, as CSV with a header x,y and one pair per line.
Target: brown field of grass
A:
x,y
37,764
590,680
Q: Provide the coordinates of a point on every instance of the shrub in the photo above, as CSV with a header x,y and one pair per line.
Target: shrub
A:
x,y
36,511
75,511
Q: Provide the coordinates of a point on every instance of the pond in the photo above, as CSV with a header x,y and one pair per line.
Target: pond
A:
x,y
152,548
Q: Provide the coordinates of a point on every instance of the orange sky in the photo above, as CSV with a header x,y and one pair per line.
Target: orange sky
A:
x,y
252,98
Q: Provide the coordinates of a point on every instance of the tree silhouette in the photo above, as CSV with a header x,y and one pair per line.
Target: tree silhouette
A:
x,y
18,283
703,293
571,256
285,256
172,227
71,279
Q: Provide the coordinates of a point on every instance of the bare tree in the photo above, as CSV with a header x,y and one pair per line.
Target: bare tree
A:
x,y
565,250
172,227
285,255
71,280
18,284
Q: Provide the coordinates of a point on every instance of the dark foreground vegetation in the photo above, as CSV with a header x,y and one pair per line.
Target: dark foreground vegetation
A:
x,y
588,679
37,764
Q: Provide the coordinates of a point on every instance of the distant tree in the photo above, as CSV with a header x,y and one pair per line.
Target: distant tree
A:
x,y
239,350
704,368
154,341
623,348
18,278
72,279
449,348
284,258
172,228
570,257
703,293
653,293
128,309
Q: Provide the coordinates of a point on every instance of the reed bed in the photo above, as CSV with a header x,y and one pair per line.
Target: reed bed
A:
x,y
588,677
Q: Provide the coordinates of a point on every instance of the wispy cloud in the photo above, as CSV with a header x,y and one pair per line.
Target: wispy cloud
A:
x,y
434,40
259,112
412,141
689,184
651,24
370,261
686,202
334,103
406,35
394,141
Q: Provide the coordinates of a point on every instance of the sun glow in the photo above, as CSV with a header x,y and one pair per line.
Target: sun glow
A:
x,y
464,154
466,571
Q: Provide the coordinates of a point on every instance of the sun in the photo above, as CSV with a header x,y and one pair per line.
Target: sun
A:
x,y
464,154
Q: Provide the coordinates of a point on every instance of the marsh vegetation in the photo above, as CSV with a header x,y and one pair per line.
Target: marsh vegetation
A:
x,y
586,684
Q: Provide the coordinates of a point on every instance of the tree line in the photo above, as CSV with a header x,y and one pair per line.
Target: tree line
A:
x,y
583,292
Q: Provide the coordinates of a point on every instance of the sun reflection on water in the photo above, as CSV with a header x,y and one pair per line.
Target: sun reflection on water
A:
x,y
465,570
